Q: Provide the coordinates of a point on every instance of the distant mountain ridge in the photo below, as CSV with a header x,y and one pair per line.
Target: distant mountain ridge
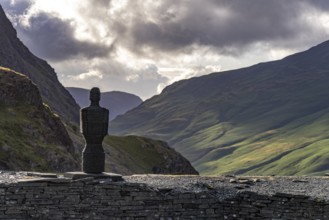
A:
x,y
270,118
16,56
117,102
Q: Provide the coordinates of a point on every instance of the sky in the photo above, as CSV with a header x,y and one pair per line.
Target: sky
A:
x,y
141,46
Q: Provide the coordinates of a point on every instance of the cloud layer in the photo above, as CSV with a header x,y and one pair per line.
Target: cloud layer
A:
x,y
149,44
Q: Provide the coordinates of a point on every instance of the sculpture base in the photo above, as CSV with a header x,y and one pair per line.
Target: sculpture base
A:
x,y
93,162
79,175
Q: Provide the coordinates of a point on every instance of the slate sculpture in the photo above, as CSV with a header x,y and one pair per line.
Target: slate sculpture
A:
x,y
94,127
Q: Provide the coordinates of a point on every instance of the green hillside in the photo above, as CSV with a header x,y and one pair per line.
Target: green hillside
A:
x,y
270,118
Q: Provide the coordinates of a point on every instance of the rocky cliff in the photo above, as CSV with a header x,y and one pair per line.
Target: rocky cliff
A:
x,y
16,56
32,137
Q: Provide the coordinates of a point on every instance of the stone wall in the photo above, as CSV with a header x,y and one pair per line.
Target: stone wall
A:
x,y
102,199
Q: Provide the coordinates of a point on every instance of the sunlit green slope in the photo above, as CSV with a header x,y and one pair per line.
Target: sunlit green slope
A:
x,y
270,118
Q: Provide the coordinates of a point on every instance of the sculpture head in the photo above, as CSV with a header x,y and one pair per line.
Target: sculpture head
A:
x,y
95,95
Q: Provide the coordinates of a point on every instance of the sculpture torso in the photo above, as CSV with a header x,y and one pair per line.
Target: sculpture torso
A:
x,y
94,121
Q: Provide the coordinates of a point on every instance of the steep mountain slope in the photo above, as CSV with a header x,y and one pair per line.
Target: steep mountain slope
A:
x,y
32,137
117,102
14,55
270,118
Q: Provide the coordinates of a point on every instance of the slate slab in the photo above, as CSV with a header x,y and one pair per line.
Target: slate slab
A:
x,y
79,175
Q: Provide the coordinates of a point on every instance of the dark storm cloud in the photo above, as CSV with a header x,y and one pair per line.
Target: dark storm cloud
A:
x,y
170,26
225,25
322,5
172,35
53,39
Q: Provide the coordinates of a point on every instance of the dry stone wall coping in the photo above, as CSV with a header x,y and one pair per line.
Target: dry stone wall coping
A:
x,y
28,196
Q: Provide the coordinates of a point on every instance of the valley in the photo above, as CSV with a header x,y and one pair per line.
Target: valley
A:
x,y
39,118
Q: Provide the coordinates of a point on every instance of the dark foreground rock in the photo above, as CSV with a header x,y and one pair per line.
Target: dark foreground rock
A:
x,y
164,197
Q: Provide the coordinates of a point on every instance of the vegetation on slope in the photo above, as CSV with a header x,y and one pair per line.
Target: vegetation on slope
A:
x,y
32,137
265,119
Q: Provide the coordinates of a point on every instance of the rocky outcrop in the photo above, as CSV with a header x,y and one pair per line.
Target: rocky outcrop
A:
x,y
17,89
32,137
16,56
